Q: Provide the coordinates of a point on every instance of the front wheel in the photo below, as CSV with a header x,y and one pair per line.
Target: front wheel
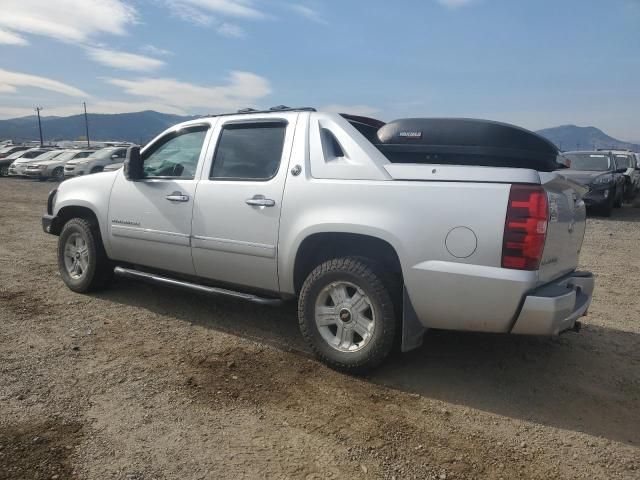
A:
x,y
58,174
346,314
96,170
618,199
4,171
82,261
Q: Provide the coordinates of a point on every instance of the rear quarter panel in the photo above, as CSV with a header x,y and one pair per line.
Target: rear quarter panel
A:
x,y
447,291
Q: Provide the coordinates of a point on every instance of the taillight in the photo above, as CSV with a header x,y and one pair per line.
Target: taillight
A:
x,y
525,227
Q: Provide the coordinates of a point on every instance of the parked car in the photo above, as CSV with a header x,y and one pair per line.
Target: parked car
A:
x,y
113,167
380,231
7,155
23,155
19,166
628,159
599,172
95,162
54,167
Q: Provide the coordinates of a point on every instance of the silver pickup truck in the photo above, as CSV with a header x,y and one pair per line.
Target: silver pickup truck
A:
x,y
380,231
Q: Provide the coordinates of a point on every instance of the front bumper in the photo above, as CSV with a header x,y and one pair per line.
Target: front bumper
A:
x,y
596,198
555,307
51,224
36,173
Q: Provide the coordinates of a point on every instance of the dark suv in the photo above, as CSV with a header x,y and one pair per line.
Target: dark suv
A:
x,y
598,172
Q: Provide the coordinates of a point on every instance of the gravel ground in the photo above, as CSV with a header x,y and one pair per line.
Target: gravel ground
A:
x,y
143,382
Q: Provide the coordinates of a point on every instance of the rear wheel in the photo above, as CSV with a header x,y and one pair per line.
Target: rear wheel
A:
x,y
82,261
346,314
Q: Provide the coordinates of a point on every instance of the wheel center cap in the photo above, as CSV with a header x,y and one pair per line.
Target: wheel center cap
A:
x,y
77,255
345,315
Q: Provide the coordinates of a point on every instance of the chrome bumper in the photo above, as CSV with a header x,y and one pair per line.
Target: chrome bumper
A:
x,y
555,307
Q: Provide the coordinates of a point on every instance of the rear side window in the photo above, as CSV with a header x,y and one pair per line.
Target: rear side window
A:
x,y
249,151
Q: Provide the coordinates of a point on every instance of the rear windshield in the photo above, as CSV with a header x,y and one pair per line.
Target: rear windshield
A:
x,y
588,161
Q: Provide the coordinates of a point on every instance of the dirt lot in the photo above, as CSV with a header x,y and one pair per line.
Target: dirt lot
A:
x,y
142,382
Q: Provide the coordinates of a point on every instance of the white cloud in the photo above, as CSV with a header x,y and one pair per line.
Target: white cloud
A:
x,y
364,110
454,3
7,37
230,30
209,12
67,20
124,60
308,12
242,90
11,81
157,51
231,8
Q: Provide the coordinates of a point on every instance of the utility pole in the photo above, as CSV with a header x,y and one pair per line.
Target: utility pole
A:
x,y
86,123
39,125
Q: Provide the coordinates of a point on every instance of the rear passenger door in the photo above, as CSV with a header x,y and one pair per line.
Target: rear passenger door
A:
x,y
236,213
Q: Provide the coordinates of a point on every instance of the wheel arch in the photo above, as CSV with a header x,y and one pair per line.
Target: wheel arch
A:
x,y
317,248
68,212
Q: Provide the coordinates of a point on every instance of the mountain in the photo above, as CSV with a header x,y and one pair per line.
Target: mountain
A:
x,y
138,127
572,137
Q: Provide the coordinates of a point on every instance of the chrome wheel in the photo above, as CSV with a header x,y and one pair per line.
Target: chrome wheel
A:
x,y
76,256
345,316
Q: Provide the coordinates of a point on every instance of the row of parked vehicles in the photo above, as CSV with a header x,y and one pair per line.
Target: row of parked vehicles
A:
x,y
56,163
611,177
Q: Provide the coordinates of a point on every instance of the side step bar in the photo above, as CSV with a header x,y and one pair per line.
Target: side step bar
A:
x,y
171,282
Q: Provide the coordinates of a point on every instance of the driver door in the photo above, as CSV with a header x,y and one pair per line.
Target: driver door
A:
x,y
150,219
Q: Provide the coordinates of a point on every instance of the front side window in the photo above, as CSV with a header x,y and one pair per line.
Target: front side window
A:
x,y
249,151
176,155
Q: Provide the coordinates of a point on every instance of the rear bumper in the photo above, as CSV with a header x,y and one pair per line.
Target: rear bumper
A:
x,y
555,307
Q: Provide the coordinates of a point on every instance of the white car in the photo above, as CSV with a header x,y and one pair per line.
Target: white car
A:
x,y
95,162
19,167
44,169
23,157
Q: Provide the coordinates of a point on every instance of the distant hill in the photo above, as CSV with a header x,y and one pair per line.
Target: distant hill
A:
x,y
572,137
138,127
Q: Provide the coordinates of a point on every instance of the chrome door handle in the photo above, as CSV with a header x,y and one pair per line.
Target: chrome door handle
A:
x,y
260,201
177,197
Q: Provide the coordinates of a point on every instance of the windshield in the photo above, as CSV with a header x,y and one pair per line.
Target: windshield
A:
x,y
66,156
588,161
104,153
49,155
32,154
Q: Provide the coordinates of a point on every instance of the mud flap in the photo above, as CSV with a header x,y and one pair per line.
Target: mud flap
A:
x,y
412,329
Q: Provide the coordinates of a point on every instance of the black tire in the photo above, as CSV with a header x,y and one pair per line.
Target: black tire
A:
x,y
367,276
96,170
607,208
4,171
618,199
58,174
99,271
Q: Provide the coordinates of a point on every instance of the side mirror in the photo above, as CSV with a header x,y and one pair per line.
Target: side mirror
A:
x,y
133,164
621,170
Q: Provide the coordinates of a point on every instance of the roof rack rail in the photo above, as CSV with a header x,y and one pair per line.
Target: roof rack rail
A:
x,y
246,111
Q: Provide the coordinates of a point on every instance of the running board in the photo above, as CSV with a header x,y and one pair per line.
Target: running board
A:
x,y
171,282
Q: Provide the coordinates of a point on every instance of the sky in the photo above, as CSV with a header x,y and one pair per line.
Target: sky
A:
x,y
535,63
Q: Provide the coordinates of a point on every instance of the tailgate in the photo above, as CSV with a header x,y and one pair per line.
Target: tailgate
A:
x,y
565,231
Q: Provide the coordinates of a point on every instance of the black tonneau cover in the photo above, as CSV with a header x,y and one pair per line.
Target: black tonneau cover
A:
x,y
463,141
